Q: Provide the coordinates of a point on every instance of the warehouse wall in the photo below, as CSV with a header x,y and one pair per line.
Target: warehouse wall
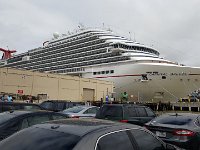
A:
x,y
55,86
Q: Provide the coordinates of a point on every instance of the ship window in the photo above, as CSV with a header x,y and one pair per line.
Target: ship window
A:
x,y
111,71
94,73
163,77
102,72
107,71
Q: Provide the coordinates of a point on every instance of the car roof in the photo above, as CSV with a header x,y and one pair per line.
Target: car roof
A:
x,y
20,103
124,105
192,116
16,112
181,114
84,106
57,101
23,112
81,127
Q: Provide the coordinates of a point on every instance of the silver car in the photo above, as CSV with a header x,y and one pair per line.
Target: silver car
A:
x,y
81,111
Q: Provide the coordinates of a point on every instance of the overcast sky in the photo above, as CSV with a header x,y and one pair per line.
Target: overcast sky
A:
x,y
171,26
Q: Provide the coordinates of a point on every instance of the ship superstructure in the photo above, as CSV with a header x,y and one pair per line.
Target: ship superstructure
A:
x,y
96,53
72,53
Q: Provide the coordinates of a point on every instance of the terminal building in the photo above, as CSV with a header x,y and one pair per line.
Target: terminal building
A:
x,y
53,86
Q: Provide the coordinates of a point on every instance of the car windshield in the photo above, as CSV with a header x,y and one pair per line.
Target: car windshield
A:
x,y
5,116
174,120
76,109
40,139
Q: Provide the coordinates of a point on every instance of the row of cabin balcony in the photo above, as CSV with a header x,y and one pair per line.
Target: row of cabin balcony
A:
x,y
68,48
60,55
49,48
72,61
75,70
71,48
73,43
47,52
63,61
73,51
68,43
93,57
84,64
63,57
80,46
93,63
69,70
14,59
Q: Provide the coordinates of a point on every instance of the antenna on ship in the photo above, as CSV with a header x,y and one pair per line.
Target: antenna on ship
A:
x,y
69,32
81,26
134,40
134,37
109,30
103,25
130,35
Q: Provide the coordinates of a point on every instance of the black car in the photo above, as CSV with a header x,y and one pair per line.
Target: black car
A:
x,y
130,113
13,121
181,129
58,105
7,106
84,134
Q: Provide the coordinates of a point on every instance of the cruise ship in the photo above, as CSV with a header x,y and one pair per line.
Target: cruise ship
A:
x,y
134,68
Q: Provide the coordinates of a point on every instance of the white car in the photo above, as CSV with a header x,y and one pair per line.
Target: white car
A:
x,y
81,111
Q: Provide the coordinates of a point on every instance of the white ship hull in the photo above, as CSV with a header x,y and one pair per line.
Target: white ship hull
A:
x,y
164,82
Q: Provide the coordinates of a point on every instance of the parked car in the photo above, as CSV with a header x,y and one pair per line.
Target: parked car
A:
x,y
135,114
58,105
7,106
13,121
81,111
181,129
84,134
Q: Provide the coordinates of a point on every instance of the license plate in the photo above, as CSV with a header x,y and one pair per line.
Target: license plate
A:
x,y
161,134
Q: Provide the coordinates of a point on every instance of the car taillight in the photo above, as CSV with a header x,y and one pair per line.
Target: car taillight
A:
x,y
183,132
125,121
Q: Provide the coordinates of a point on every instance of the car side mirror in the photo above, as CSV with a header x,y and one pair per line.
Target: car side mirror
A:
x,y
170,147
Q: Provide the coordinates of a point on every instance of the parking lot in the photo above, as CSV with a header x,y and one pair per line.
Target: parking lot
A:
x,y
129,126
